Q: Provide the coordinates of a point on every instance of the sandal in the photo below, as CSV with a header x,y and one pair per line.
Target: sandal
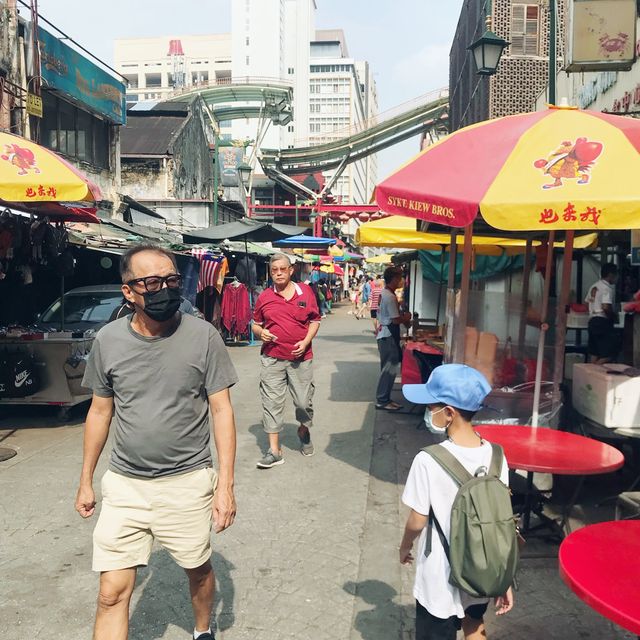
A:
x,y
390,406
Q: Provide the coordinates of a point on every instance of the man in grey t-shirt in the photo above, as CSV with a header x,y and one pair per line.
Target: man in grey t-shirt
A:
x,y
158,374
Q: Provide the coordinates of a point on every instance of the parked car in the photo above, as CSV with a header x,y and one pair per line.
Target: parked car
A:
x,y
84,308
92,308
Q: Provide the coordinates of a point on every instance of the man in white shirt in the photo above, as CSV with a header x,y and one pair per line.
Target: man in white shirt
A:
x,y
604,342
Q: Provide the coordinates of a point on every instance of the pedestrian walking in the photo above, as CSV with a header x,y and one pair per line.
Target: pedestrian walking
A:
x,y
161,372
440,475
365,293
377,285
286,319
388,338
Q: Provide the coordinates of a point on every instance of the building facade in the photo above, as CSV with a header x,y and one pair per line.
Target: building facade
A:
x,y
83,103
156,67
342,100
615,92
523,71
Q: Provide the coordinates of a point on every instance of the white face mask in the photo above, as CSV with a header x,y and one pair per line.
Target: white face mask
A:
x,y
428,420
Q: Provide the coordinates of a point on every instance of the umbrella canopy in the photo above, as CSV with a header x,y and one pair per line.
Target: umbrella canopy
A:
x,y
35,179
385,258
542,171
305,242
243,229
396,232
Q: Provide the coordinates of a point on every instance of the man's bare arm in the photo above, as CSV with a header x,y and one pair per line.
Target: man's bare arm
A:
x,y
96,432
224,435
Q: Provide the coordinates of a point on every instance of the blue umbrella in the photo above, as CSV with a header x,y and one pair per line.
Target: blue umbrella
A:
x,y
304,242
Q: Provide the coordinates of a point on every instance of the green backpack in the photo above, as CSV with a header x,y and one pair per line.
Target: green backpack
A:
x,y
483,552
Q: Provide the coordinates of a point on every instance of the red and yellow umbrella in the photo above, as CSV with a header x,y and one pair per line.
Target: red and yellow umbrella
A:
x,y
36,179
548,170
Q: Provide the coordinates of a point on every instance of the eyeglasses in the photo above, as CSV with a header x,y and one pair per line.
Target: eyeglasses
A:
x,y
153,284
275,270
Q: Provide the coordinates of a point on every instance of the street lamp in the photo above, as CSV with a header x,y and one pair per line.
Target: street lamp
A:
x,y
244,173
487,51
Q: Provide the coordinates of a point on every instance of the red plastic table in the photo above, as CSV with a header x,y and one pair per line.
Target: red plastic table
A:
x,y
601,564
410,371
550,451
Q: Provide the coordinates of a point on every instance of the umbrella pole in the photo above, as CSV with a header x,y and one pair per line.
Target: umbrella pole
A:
x,y
526,276
561,316
440,283
450,312
61,303
541,339
461,324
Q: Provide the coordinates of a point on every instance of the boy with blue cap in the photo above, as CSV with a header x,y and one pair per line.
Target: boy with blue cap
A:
x,y
453,394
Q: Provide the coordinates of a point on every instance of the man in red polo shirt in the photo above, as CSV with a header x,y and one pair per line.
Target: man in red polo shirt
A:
x,y
286,319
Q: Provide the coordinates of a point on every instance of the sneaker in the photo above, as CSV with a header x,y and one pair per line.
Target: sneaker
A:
x,y
306,446
270,459
206,636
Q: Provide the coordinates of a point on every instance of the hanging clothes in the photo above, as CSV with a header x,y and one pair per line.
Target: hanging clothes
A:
x,y
236,309
247,272
213,268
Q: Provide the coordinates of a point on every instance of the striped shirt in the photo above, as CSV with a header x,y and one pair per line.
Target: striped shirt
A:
x,y
375,298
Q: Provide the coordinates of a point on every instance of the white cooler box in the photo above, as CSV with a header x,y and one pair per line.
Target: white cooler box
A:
x,y
605,395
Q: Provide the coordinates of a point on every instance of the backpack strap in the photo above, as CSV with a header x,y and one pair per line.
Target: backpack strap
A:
x,y
431,524
449,463
497,457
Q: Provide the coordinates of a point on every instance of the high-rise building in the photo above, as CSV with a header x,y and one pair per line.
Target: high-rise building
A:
x,y
342,100
270,43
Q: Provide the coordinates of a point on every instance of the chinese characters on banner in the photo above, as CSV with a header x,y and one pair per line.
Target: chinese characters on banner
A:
x,y
570,214
40,191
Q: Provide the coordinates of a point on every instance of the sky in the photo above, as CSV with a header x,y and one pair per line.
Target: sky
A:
x,y
406,42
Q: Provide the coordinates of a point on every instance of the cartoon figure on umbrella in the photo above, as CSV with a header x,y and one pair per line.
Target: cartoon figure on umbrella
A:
x,y
20,157
570,161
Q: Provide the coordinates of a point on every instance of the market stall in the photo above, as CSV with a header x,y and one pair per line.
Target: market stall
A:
x,y
537,175
38,367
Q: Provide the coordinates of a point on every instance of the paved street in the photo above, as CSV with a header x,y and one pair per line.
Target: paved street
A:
x,y
312,555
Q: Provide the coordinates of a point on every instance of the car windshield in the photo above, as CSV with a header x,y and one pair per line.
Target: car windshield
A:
x,y
94,307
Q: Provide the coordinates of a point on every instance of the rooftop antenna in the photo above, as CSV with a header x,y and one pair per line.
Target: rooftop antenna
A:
x,y
177,57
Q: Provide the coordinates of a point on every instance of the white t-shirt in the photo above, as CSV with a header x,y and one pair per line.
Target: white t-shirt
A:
x,y
600,293
429,486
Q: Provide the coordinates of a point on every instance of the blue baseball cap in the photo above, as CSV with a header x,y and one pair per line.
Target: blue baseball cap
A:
x,y
454,385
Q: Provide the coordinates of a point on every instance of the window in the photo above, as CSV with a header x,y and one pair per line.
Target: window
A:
x,y
74,132
132,79
290,128
525,30
153,80
246,41
246,61
290,71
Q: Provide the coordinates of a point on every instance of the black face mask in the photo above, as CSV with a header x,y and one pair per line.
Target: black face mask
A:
x,y
162,305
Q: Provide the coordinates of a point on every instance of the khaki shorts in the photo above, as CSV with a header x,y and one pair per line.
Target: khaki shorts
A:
x,y
175,510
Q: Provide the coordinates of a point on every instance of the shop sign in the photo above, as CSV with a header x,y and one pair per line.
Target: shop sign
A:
x,y
66,70
34,105
627,101
602,35
590,92
229,159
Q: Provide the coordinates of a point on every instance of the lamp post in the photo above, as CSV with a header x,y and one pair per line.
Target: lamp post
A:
x,y
244,173
487,49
